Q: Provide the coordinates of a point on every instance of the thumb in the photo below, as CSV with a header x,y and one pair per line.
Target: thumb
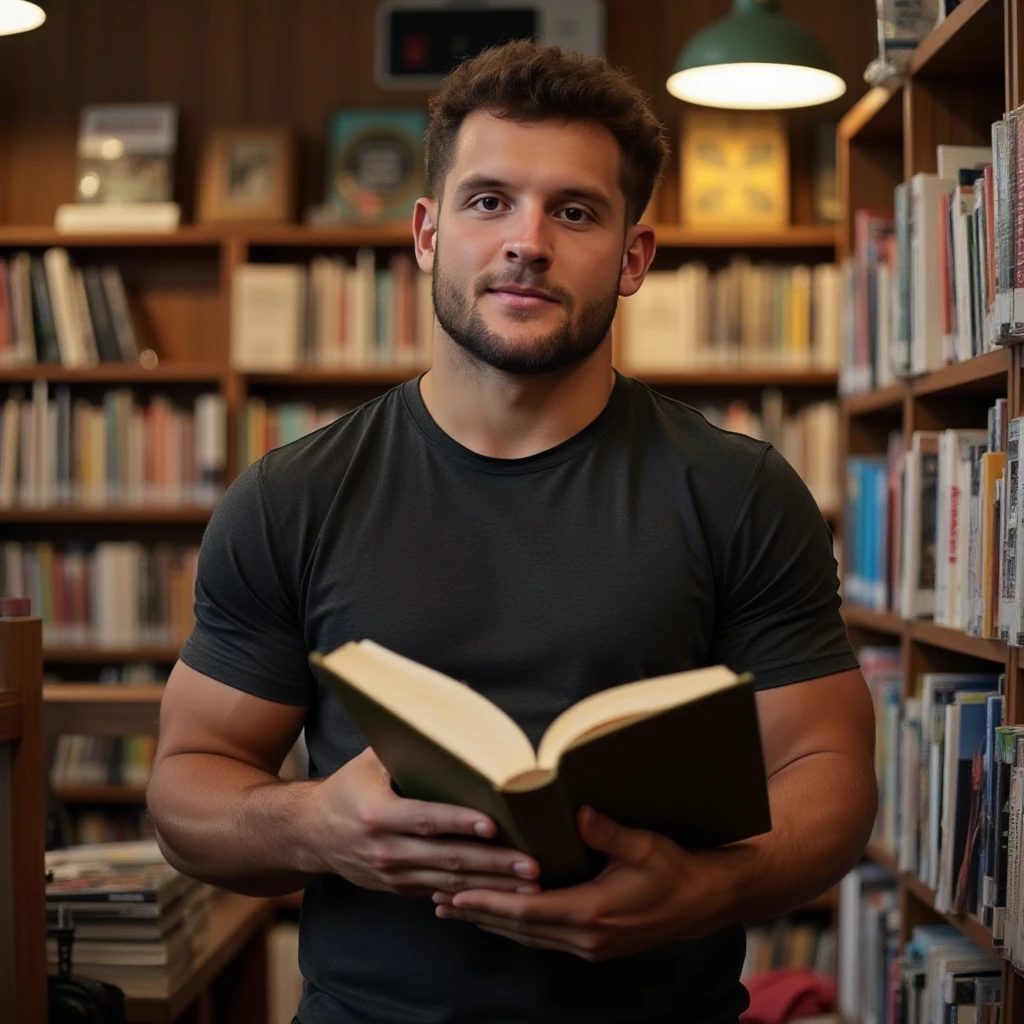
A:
x,y
601,833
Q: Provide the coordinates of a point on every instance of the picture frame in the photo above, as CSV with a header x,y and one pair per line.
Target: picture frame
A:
x,y
248,175
375,167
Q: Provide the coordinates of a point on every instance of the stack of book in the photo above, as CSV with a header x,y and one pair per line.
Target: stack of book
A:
x,y
934,531
115,594
54,312
138,922
743,315
331,313
933,280
55,450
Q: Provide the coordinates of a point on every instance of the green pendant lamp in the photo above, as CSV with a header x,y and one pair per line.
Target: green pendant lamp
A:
x,y
755,59
19,16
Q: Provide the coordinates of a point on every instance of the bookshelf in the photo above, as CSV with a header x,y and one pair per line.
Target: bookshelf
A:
x,y
22,826
961,78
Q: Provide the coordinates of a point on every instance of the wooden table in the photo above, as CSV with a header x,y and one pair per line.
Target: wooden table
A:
x,y
227,981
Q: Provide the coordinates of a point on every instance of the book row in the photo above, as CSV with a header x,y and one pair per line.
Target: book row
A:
x,y
934,280
59,450
934,531
114,594
744,314
52,311
790,942
331,313
939,976
102,760
938,764
87,825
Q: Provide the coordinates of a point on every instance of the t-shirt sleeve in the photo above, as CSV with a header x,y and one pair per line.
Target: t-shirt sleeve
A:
x,y
777,604
248,632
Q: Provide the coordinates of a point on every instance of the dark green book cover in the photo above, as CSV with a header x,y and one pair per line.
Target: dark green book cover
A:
x,y
693,772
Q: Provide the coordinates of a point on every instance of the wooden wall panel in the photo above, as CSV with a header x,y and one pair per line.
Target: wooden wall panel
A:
x,y
294,61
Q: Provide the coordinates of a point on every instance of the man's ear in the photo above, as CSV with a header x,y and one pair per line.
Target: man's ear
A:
x,y
636,258
424,232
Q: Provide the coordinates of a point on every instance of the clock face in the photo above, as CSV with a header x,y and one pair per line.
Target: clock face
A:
x,y
735,169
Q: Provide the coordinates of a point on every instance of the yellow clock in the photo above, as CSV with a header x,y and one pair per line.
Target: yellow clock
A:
x,y
734,169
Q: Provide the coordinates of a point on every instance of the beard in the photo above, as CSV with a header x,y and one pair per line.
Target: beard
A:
x,y
571,343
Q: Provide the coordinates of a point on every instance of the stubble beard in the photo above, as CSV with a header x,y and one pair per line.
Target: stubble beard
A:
x,y
576,339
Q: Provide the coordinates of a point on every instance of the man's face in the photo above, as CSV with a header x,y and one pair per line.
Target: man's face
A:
x,y
529,248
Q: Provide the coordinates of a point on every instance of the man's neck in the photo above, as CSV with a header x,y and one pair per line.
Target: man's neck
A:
x,y
507,416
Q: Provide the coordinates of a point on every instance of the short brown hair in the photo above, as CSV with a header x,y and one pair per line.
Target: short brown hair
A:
x,y
528,81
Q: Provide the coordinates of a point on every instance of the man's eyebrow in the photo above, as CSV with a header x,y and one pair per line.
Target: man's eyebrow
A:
x,y
482,182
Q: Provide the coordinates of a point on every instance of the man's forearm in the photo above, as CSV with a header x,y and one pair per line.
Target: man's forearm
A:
x,y
823,807
233,825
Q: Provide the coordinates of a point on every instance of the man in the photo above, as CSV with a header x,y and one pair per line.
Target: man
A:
x,y
525,519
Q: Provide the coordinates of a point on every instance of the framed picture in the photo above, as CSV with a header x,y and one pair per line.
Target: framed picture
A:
x,y
248,175
375,163
734,169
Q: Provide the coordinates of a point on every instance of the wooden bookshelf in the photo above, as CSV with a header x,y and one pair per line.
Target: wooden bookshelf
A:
x,y
119,514
747,377
166,372
99,793
10,716
960,79
98,709
108,655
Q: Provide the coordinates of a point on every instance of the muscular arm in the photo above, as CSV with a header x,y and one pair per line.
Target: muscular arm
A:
x,y
818,741
222,813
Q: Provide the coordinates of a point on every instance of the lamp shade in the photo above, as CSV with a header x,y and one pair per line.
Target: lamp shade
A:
x,y
19,16
755,59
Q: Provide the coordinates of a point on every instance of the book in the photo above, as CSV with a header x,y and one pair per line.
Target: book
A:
x,y
126,153
678,754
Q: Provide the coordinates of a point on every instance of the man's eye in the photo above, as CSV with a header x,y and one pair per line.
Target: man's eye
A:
x,y
488,204
576,215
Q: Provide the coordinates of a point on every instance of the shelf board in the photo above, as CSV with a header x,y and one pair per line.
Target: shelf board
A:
x,y
768,376
107,514
877,115
879,400
391,234
986,373
970,925
91,653
33,235
170,372
337,375
877,622
95,793
969,43
883,857
793,236
102,710
957,640
10,716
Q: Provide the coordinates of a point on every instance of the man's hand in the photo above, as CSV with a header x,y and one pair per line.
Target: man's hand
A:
x,y
650,892
378,840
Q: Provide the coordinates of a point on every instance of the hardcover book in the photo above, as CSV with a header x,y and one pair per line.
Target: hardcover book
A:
x,y
678,754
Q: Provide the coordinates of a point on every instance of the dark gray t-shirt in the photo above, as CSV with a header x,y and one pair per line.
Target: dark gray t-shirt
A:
x,y
650,542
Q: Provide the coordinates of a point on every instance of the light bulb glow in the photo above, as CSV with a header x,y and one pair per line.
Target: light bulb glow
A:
x,y
19,16
755,86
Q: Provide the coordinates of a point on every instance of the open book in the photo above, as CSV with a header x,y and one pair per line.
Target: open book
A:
x,y
678,754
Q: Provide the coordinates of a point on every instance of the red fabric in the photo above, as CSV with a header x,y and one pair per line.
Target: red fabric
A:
x,y
781,995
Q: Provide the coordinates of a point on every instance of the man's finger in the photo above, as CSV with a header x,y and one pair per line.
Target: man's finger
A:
x,y
461,858
607,836
393,813
448,882
564,936
556,906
